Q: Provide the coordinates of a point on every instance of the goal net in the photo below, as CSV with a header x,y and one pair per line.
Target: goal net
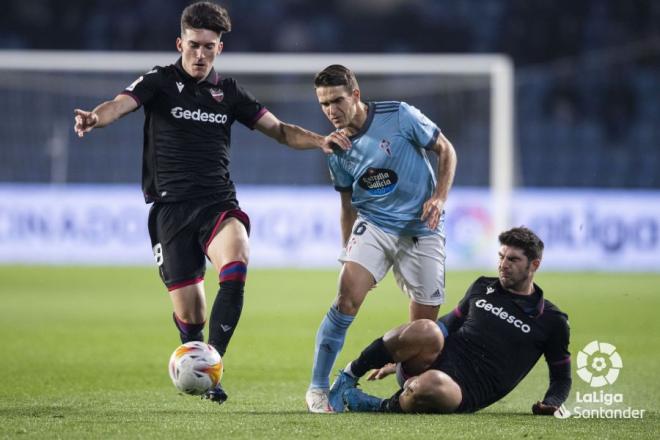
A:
x,y
470,97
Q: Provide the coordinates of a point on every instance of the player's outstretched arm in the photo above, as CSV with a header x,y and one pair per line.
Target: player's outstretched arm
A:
x,y
104,114
299,138
558,359
432,208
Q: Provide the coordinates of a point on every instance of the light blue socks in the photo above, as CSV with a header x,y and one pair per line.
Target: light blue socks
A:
x,y
329,341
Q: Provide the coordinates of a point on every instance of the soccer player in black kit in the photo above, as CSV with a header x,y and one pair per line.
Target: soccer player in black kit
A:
x,y
475,355
189,109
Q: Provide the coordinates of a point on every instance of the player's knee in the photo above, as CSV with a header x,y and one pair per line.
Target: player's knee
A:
x,y
446,395
241,251
426,328
242,255
433,391
433,379
427,334
238,250
354,283
348,304
350,298
419,396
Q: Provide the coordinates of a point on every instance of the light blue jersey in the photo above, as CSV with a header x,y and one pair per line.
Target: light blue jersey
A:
x,y
388,169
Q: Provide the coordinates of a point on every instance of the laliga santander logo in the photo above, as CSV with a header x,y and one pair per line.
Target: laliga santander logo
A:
x,y
598,364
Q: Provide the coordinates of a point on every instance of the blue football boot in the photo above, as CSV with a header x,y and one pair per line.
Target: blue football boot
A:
x,y
343,382
357,400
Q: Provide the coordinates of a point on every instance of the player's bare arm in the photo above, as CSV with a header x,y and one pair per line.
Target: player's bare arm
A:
x,y
347,216
104,114
299,138
445,172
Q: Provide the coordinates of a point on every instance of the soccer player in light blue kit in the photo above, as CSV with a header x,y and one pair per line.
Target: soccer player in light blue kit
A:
x,y
391,213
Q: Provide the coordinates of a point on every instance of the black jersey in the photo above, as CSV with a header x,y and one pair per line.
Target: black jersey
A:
x,y
495,338
187,132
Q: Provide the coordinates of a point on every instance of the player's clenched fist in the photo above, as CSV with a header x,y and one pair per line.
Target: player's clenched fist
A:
x,y
84,121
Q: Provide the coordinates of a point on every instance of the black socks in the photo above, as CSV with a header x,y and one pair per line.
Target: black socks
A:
x,y
225,314
374,356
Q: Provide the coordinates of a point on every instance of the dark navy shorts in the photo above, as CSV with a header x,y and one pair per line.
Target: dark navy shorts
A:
x,y
181,233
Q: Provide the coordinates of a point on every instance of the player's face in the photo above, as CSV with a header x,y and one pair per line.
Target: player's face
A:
x,y
338,104
516,272
198,48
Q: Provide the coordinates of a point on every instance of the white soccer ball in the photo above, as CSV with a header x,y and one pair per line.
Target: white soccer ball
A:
x,y
195,367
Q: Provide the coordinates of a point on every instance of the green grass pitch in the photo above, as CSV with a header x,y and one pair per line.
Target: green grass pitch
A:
x,y
85,351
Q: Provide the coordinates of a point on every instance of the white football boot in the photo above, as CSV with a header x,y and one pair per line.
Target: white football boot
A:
x,y
317,401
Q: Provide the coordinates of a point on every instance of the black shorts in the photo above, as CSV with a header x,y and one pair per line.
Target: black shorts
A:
x,y
479,386
180,234
449,367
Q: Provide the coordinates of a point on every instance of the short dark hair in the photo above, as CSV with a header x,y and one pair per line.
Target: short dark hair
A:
x,y
336,75
205,15
523,238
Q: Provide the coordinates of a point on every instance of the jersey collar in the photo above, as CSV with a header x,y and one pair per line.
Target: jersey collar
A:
x,y
540,304
367,122
213,78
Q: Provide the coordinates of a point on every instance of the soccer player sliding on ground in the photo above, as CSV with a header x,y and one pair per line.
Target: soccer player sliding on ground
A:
x,y
475,355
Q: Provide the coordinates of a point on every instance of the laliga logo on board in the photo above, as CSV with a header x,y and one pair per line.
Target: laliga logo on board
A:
x,y
599,364
472,228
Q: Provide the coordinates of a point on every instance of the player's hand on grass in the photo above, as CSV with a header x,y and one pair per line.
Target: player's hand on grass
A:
x,y
432,210
336,141
382,372
541,409
84,121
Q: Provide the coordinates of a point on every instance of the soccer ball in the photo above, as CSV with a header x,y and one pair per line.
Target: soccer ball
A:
x,y
195,367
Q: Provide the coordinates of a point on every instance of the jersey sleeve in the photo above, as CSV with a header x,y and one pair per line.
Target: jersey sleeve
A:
x,y
341,179
559,363
143,89
416,127
556,349
247,109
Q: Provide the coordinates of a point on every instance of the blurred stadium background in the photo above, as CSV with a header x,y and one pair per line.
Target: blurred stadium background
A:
x,y
586,172
587,78
585,133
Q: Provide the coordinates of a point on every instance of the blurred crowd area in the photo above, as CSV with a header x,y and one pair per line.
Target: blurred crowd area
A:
x,y
531,31
587,71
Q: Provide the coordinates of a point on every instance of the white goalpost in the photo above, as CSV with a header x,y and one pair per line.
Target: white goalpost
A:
x,y
498,69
